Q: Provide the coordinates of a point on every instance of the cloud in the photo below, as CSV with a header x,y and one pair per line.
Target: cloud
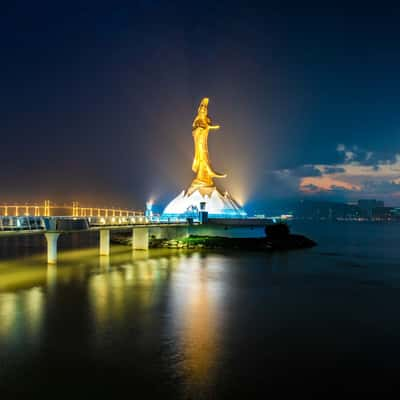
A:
x,y
360,174
348,154
306,170
356,154
382,187
326,183
333,170
310,188
369,155
340,147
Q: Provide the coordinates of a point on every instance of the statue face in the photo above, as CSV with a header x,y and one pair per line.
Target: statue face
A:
x,y
203,106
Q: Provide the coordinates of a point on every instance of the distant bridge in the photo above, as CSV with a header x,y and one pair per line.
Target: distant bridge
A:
x,y
48,209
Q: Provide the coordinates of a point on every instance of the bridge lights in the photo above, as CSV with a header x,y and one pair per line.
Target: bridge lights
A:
x,y
47,208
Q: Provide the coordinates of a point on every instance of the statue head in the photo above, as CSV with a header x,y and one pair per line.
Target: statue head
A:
x,y
203,107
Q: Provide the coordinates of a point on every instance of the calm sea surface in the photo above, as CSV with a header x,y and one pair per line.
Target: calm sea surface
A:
x,y
179,324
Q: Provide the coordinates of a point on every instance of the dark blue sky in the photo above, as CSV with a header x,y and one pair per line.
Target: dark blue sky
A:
x,y
97,101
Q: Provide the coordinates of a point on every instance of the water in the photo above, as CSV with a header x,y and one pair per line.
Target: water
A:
x,y
179,324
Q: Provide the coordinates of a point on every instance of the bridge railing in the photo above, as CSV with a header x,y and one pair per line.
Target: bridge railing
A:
x,y
120,220
67,223
25,223
32,223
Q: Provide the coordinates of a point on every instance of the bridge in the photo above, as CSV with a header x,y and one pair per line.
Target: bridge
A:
x,y
17,219
75,210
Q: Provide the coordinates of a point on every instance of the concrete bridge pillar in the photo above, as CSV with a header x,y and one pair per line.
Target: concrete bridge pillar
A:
x,y
104,242
52,238
140,238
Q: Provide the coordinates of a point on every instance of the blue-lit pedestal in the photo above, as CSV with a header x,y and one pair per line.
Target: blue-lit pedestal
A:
x,y
216,204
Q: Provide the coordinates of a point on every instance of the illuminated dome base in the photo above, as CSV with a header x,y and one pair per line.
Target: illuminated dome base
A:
x,y
218,205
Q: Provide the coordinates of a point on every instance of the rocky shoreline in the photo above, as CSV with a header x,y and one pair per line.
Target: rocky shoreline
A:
x,y
277,237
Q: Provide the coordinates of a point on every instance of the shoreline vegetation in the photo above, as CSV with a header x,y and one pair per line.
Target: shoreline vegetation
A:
x,y
278,237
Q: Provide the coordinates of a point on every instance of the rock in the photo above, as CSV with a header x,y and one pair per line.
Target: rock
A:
x,y
281,241
278,238
290,242
277,231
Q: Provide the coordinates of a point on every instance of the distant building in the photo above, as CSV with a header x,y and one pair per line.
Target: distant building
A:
x,y
382,213
367,207
325,210
362,210
395,213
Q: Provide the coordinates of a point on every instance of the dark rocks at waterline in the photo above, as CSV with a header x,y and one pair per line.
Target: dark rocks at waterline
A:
x,y
287,243
277,231
290,242
277,237
278,242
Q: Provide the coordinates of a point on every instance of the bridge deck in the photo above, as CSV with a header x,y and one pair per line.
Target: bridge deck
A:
x,y
18,232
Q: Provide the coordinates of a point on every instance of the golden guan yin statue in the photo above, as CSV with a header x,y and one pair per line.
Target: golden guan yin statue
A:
x,y
201,162
203,190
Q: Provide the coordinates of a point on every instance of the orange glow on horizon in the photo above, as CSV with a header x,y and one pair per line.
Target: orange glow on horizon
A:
x,y
325,183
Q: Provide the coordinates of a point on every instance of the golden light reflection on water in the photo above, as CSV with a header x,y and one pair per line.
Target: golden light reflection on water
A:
x,y
197,309
33,307
8,313
27,285
133,285
152,294
21,316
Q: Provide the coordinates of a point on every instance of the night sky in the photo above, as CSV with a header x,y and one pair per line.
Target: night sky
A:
x,y
97,101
